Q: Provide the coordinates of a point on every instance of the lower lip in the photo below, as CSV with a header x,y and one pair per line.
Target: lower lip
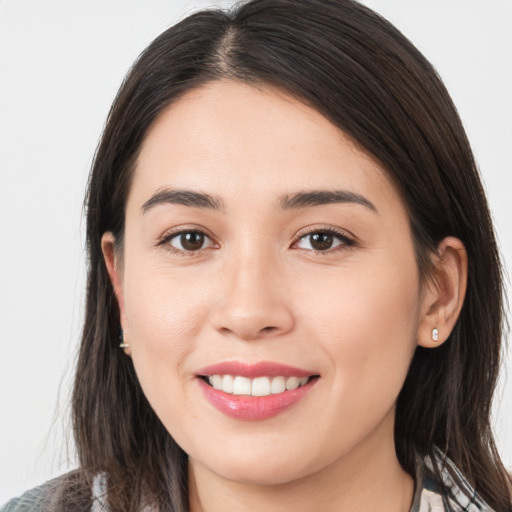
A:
x,y
254,408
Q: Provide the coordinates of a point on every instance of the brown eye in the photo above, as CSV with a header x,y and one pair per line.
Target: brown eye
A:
x,y
322,241
190,241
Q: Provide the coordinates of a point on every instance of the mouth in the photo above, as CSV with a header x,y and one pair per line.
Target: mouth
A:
x,y
254,391
259,386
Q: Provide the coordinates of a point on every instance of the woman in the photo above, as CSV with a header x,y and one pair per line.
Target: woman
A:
x,y
294,295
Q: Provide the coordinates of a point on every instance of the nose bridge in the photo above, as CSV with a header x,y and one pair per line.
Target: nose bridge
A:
x,y
253,302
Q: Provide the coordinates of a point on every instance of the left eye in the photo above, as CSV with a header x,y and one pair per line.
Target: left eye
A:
x,y
189,241
322,241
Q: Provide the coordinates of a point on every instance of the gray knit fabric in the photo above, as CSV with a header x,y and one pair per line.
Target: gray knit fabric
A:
x,y
32,501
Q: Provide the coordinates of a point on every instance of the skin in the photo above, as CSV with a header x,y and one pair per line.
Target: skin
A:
x,y
257,290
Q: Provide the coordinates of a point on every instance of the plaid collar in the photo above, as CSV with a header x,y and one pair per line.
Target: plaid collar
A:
x,y
440,487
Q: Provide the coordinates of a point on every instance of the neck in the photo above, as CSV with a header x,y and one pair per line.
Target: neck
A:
x,y
369,477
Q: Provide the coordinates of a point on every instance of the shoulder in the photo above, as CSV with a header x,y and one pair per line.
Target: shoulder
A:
x,y
31,501
44,497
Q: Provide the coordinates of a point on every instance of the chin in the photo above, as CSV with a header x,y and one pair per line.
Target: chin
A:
x,y
270,464
259,474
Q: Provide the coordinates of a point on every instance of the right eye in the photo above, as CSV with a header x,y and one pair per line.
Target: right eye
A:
x,y
189,241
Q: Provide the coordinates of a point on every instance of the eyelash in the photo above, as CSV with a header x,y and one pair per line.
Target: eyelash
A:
x,y
168,237
346,241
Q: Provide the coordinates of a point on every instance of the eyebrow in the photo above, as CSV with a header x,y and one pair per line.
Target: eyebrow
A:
x,y
288,202
323,197
184,198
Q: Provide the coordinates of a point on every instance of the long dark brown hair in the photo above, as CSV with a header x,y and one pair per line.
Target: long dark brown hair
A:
x,y
364,76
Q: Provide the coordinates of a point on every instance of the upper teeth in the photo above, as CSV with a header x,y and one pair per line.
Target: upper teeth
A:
x,y
260,386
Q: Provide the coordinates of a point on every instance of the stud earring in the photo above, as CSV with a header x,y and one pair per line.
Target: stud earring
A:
x,y
435,334
122,343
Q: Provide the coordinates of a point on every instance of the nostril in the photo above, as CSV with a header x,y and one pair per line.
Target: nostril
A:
x,y
252,322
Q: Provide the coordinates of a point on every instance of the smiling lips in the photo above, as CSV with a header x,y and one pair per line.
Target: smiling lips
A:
x,y
254,392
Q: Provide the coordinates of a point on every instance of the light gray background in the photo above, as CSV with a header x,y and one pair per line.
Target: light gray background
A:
x,y
61,64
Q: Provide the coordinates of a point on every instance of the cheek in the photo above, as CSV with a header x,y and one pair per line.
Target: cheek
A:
x,y
165,316
367,326
163,304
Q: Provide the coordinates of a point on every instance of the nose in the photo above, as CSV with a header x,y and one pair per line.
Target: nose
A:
x,y
254,303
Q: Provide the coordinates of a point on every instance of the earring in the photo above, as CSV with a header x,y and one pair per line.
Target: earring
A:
x,y
122,343
435,334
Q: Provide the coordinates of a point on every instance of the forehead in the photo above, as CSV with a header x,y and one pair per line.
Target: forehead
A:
x,y
237,140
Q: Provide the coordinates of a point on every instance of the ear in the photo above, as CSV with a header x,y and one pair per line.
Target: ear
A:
x,y
444,293
113,268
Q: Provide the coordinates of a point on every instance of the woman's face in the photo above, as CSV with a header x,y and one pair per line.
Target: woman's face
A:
x,y
263,247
